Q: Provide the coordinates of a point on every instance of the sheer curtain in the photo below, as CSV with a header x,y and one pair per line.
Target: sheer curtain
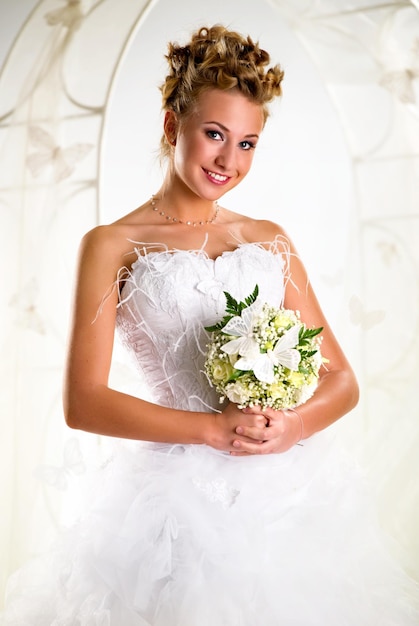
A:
x,y
78,84
367,54
55,87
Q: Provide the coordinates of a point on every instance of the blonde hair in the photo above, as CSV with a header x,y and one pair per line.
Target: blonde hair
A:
x,y
217,58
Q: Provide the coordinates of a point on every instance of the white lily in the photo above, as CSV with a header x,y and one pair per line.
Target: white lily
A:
x,y
242,328
263,363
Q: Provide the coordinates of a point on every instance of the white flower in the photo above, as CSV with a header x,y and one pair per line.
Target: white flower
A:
x,y
273,358
242,327
283,353
238,393
221,370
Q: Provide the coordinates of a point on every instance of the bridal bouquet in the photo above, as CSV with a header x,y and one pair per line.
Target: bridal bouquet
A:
x,y
262,355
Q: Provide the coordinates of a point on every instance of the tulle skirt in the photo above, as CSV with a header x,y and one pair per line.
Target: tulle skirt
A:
x,y
188,536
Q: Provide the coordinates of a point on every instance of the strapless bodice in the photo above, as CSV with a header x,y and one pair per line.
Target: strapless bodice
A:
x,y
167,300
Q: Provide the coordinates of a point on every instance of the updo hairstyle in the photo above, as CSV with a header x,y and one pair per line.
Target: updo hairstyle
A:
x,y
217,58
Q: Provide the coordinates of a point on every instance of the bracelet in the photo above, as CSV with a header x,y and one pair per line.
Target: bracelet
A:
x,y
301,424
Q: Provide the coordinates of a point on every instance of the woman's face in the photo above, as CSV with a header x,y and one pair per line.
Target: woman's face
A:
x,y
215,145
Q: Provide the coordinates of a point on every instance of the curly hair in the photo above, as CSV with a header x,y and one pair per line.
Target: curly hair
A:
x,y
217,58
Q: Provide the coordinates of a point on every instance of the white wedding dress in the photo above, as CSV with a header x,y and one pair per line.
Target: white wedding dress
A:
x,y
183,535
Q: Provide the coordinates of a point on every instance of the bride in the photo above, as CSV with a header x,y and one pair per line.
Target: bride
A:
x,y
215,517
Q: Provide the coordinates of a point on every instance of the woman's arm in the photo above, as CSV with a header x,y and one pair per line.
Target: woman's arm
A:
x,y
89,403
337,392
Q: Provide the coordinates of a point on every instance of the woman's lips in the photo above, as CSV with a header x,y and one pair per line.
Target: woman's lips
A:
x,y
218,179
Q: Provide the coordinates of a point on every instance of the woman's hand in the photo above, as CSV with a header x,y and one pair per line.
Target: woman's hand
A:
x,y
225,435
273,431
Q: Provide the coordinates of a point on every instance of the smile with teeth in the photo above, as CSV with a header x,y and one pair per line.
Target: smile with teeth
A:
x,y
220,178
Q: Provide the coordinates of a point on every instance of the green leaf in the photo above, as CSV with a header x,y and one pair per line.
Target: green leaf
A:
x,y
220,325
253,296
308,333
305,354
233,309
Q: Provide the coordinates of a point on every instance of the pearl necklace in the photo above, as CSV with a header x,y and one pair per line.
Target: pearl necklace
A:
x,y
176,220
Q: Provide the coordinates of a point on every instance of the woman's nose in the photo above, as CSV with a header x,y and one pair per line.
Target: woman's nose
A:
x,y
226,156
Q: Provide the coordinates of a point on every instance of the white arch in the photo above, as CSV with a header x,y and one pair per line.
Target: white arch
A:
x,y
363,60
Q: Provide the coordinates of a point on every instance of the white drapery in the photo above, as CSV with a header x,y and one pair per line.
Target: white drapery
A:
x,y
58,85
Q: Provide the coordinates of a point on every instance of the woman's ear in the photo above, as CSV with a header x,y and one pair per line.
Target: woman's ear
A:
x,y
170,127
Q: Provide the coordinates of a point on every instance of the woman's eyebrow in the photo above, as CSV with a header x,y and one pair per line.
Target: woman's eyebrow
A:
x,y
228,130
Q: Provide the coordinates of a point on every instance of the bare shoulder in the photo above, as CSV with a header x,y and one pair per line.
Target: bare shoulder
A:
x,y
104,235
267,230
120,230
111,242
103,253
263,231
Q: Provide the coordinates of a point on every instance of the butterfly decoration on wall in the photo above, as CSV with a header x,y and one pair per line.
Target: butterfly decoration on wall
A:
x,y
49,155
73,464
70,16
361,317
401,81
389,252
24,302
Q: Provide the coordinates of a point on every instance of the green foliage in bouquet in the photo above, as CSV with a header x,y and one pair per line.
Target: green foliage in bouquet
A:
x,y
262,355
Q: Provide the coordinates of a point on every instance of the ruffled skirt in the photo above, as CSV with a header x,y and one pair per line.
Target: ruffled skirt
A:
x,y
188,536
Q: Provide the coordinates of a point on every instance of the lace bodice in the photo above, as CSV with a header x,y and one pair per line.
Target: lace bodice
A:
x,y
167,300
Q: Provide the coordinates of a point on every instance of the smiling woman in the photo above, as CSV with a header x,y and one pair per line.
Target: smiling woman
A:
x,y
203,519
214,145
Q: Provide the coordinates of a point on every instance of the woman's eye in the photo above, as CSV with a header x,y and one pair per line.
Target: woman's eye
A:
x,y
214,134
247,145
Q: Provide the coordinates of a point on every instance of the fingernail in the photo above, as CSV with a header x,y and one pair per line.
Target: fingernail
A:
x,y
239,430
236,444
